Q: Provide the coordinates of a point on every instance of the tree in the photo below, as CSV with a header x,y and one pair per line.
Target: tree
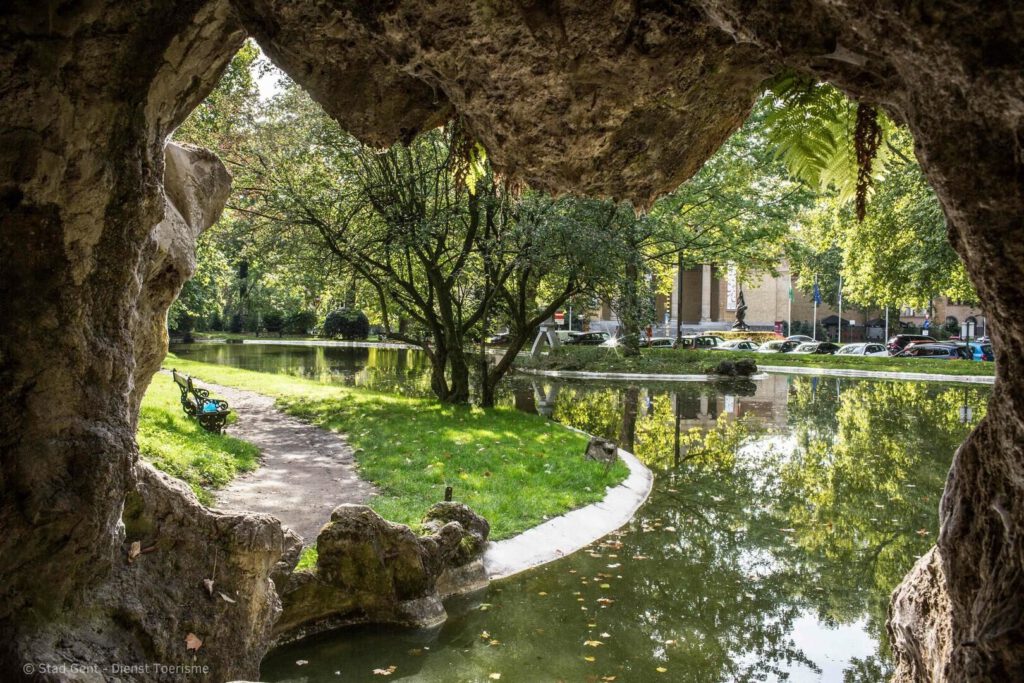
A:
x,y
429,228
891,252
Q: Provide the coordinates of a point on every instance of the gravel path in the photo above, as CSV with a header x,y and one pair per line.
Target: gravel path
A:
x,y
305,472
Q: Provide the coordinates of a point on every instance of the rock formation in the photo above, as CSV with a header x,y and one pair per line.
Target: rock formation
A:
x,y
371,570
619,98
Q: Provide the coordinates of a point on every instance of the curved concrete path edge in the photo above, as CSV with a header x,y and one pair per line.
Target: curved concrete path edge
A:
x,y
573,531
879,374
777,369
647,376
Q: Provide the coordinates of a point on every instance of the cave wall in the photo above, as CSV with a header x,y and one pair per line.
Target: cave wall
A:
x,y
625,98
96,241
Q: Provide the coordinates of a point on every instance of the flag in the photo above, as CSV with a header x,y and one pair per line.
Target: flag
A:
x,y
791,292
817,294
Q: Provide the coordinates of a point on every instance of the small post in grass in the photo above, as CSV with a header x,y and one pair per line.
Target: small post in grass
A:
x,y
447,494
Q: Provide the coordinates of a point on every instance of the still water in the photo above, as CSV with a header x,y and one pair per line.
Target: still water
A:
x,y
784,513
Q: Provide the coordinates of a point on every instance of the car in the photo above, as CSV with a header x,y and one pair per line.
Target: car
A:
x,y
863,349
799,338
817,347
700,341
657,342
500,339
935,351
738,345
588,339
778,346
978,350
565,335
900,341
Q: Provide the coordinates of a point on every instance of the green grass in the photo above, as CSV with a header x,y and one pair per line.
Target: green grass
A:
x,y
513,468
177,444
669,361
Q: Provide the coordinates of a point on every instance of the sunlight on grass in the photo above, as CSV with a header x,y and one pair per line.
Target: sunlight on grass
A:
x,y
176,444
513,468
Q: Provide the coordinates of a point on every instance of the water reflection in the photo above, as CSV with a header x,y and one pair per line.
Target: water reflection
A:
x,y
397,370
785,511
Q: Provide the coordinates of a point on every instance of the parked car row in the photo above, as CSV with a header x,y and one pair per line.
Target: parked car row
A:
x,y
903,345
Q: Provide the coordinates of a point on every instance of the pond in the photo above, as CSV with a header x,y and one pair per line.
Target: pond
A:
x,y
784,513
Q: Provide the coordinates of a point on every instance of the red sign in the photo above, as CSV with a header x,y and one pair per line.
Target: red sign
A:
x,y
559,316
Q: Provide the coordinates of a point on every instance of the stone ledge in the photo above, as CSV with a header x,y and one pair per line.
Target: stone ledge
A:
x,y
648,376
879,374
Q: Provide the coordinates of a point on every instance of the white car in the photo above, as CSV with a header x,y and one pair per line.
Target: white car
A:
x,y
868,349
738,345
783,346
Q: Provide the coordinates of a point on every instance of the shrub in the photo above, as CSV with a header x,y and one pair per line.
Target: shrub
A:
x,y
273,321
236,324
347,324
299,322
216,322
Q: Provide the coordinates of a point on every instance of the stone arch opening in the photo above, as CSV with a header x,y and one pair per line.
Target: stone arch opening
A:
x,y
623,99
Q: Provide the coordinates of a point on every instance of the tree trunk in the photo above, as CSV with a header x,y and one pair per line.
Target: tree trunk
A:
x,y
629,307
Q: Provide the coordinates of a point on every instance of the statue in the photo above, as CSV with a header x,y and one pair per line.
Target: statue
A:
x,y
741,313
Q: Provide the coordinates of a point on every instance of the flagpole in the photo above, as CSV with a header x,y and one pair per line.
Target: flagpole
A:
x,y
839,332
814,325
886,340
789,311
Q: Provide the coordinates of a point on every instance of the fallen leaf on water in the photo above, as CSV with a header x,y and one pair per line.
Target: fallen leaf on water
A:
x,y
134,551
592,643
415,652
615,565
208,584
301,662
494,642
605,585
606,635
922,532
607,678
589,659
385,672
661,669
495,676
485,635
227,599
542,594
484,606
192,642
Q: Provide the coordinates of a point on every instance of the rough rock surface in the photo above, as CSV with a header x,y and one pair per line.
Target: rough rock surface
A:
x,y
919,622
740,368
601,450
372,570
622,98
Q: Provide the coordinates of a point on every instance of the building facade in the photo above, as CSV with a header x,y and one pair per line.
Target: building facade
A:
x,y
705,297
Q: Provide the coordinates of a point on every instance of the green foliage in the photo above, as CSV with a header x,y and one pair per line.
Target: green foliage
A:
x,y
299,322
176,444
347,324
813,127
220,121
273,321
513,468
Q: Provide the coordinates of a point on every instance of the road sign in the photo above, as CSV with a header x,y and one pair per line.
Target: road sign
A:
x,y
559,316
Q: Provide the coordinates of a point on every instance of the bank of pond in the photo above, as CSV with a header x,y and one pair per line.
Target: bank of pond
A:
x,y
785,511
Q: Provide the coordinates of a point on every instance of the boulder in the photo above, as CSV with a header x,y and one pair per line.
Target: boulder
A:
x,y
919,622
601,450
370,570
739,368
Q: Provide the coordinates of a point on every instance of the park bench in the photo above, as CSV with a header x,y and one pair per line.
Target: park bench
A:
x,y
211,413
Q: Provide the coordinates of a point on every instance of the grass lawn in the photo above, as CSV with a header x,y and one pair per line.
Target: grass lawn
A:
x,y
513,468
177,444
668,361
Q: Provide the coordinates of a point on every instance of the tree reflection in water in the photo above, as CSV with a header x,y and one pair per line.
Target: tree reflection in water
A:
x,y
783,515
